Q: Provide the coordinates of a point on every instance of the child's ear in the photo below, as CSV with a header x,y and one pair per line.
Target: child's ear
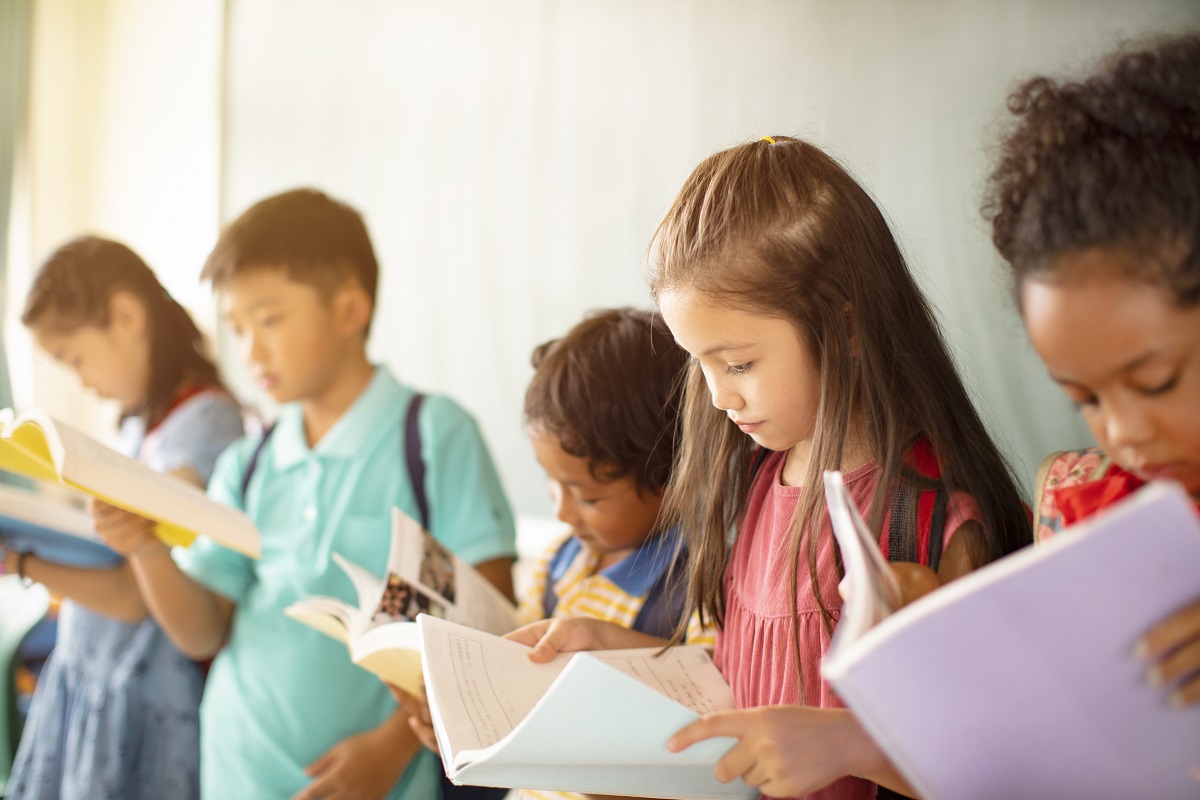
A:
x,y
353,307
126,315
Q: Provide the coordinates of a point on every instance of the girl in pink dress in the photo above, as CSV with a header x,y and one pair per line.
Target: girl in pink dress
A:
x,y
812,349
1095,204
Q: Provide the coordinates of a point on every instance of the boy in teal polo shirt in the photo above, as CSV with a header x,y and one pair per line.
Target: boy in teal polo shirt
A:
x,y
285,713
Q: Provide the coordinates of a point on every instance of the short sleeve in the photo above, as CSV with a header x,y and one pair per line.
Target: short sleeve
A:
x,y
468,508
218,568
1058,470
197,433
961,508
531,605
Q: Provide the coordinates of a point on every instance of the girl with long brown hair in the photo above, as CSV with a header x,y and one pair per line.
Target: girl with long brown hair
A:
x,y
116,710
812,349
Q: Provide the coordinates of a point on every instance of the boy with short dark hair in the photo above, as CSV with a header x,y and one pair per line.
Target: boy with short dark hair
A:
x,y
285,713
602,413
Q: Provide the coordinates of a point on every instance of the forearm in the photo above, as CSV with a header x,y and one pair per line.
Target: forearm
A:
x,y
403,742
111,592
870,763
195,619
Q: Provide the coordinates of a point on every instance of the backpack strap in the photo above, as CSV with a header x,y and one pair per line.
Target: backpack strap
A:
x,y
915,509
412,457
253,465
918,511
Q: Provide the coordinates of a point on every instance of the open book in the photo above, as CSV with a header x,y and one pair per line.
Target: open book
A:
x,y
38,446
585,722
1019,680
51,530
421,577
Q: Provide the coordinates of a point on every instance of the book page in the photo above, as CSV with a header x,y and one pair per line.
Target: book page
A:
x,y
685,674
869,591
99,470
455,589
328,615
38,509
482,685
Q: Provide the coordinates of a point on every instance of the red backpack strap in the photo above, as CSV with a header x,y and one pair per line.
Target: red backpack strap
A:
x,y
917,515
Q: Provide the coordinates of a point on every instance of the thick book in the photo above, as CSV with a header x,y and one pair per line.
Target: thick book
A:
x,y
1020,679
38,446
421,576
593,722
51,530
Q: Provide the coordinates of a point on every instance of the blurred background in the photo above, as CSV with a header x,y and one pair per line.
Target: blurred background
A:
x,y
512,158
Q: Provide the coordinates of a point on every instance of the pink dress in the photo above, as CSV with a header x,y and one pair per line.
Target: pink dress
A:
x,y
754,651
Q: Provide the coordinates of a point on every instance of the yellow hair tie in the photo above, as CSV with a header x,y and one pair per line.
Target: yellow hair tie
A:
x,y
769,139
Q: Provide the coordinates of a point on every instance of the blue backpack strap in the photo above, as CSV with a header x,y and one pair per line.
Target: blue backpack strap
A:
x,y
412,457
555,569
253,465
664,606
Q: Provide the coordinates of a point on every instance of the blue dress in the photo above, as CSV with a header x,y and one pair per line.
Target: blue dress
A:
x,y
116,711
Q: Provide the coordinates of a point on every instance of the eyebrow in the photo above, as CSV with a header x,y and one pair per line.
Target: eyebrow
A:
x,y
254,306
724,347
1132,364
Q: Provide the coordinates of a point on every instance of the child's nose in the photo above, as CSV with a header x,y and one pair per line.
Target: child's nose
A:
x,y
1126,425
565,509
724,398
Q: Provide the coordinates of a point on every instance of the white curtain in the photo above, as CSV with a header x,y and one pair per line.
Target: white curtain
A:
x,y
123,141
513,158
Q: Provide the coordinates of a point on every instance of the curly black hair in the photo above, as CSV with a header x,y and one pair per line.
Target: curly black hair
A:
x,y
610,390
1111,161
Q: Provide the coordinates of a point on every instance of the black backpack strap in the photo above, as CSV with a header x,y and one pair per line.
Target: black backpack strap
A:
x,y
412,457
904,517
253,465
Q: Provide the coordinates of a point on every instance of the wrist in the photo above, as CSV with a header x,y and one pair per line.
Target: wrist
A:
x,y
152,549
400,739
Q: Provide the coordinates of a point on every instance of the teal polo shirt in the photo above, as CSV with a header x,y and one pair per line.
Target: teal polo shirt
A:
x,y
280,694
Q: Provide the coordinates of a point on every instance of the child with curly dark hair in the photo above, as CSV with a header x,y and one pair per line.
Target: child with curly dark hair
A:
x,y
1095,204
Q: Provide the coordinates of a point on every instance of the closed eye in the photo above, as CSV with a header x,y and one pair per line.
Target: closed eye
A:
x,y
737,369
1162,388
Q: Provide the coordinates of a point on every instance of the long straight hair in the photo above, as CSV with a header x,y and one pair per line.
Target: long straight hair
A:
x,y
72,289
779,228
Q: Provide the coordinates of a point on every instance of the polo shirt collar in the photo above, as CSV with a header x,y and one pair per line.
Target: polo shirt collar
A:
x,y
378,405
641,569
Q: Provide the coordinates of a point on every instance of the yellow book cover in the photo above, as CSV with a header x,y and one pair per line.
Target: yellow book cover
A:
x,y
38,446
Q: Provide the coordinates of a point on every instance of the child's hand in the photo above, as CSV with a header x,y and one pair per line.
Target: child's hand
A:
x,y
549,637
362,767
419,718
124,532
784,751
1173,647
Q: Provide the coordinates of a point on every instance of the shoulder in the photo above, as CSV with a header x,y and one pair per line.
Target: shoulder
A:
x,y
444,412
209,414
195,433
1061,470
